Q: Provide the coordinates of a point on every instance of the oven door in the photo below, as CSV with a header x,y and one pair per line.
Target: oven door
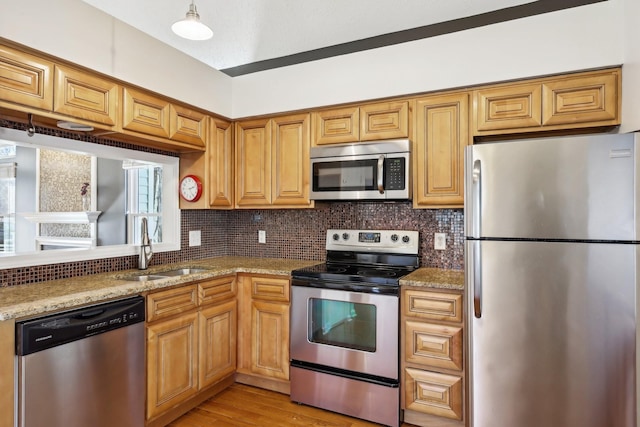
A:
x,y
361,177
346,330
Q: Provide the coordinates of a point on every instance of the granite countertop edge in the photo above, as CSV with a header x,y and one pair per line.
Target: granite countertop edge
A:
x,y
26,301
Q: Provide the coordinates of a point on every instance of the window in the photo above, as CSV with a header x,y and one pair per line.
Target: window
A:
x,y
145,186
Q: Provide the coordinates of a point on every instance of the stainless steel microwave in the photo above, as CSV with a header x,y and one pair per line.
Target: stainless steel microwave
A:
x,y
362,171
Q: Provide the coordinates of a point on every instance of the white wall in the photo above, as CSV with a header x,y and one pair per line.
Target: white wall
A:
x,y
631,68
573,39
593,36
75,31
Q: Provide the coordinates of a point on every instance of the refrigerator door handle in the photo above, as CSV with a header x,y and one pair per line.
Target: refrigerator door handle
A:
x,y
473,194
476,278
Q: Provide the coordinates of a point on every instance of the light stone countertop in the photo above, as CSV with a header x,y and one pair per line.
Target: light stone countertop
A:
x,y
50,296
24,301
435,278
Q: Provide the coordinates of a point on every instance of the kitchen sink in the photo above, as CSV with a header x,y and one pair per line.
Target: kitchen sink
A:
x,y
181,272
163,274
144,278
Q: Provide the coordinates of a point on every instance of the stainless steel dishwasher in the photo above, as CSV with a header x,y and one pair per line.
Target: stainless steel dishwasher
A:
x,y
83,367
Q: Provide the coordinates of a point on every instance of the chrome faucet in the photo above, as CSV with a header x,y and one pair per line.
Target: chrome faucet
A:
x,y
145,246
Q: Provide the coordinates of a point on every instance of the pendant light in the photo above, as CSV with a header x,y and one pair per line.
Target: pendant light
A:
x,y
190,27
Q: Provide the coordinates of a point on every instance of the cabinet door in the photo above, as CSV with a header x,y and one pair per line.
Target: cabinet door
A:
x,y
144,113
509,107
336,126
441,124
384,121
25,79
270,339
85,96
433,393
220,164
253,163
591,98
188,126
217,342
172,362
290,160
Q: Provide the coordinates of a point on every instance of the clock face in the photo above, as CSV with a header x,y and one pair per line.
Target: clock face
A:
x,y
190,188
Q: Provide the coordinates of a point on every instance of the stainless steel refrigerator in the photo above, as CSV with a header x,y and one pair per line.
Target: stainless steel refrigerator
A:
x,y
551,261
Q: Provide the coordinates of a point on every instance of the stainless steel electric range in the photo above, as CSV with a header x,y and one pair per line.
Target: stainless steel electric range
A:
x,y
345,324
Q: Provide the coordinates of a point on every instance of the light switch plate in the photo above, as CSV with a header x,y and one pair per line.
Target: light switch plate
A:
x,y
194,238
440,241
262,236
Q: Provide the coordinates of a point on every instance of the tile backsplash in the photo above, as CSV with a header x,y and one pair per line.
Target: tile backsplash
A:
x,y
297,234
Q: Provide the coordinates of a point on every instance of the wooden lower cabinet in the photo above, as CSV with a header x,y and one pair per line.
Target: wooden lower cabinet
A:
x,y
433,377
263,331
7,357
172,363
191,346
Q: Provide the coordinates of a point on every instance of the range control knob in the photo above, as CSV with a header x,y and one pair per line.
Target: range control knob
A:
x,y
405,239
336,237
394,238
345,236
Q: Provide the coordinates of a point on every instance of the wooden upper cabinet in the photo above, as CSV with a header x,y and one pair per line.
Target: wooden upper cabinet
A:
x,y
370,122
272,162
581,100
517,106
290,160
25,79
441,133
85,96
336,126
142,112
253,163
188,126
386,120
592,98
220,168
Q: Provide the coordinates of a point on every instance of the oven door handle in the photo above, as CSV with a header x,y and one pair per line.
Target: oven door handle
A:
x,y
380,289
381,174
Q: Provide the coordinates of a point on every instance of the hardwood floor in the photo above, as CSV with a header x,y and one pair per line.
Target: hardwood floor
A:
x,y
242,405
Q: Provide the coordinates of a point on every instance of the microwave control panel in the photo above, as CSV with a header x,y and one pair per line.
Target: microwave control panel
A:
x,y
394,173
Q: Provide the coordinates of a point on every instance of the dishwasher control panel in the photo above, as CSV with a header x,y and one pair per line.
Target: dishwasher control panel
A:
x,y
50,331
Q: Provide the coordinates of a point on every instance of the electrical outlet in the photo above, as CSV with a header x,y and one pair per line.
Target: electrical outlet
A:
x,y
194,238
440,241
262,236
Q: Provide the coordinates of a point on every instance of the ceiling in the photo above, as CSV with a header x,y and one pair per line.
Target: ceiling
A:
x,y
254,35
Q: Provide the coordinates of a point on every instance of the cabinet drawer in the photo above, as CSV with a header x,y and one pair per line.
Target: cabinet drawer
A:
x,y
187,126
384,121
433,393
25,79
170,302
578,100
433,305
85,96
509,107
270,288
433,345
336,126
144,113
216,290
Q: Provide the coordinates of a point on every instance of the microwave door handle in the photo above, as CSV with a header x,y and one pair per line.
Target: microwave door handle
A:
x,y
380,174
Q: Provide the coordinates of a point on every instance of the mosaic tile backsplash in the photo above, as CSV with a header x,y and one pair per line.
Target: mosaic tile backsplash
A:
x,y
295,234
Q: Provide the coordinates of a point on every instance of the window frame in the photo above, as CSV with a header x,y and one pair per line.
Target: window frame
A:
x,y
170,202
